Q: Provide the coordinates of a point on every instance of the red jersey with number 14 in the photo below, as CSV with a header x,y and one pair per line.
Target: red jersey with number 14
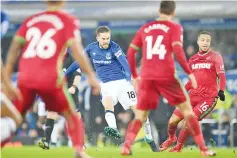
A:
x,y
45,37
156,39
206,68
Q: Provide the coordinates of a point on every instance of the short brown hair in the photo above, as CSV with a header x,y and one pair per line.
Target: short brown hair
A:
x,y
204,33
102,29
55,2
167,7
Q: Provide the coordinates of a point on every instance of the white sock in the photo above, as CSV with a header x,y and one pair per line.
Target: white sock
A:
x,y
8,126
110,119
147,129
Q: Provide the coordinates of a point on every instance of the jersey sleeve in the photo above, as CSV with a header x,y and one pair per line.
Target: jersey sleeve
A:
x,y
219,65
121,57
87,50
118,51
72,30
177,34
137,40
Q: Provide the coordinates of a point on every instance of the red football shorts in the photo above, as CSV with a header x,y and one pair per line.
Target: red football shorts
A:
x,y
201,107
56,99
150,91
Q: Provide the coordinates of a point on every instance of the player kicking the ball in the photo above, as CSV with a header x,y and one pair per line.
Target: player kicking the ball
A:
x,y
114,73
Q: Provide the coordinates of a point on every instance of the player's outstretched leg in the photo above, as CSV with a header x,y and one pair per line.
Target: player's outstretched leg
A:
x,y
148,138
113,132
172,127
111,129
194,128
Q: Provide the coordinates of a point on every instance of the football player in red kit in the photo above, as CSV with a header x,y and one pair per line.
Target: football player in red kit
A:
x,y
207,66
160,40
42,40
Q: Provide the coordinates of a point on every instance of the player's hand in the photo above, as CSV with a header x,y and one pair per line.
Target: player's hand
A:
x,y
12,92
135,83
193,81
221,95
72,90
94,84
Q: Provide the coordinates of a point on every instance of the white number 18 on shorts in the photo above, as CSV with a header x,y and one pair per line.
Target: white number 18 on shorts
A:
x,y
121,91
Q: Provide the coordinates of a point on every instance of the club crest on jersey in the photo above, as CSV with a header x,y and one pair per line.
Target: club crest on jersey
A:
x,y
201,66
108,56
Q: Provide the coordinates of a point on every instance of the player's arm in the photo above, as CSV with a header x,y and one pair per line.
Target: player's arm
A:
x,y
75,66
3,76
13,53
15,49
177,46
133,48
72,68
123,61
188,85
220,70
80,57
10,90
74,42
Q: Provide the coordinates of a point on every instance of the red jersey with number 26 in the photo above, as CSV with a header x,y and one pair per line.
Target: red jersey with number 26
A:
x,y
156,39
45,36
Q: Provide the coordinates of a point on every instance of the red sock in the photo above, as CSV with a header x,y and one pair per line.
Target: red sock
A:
x,y
183,135
195,130
172,130
133,128
75,129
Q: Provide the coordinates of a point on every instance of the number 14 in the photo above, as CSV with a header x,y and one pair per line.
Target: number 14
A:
x,y
158,48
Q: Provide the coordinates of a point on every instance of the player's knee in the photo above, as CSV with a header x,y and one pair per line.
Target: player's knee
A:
x,y
187,113
174,120
185,108
108,103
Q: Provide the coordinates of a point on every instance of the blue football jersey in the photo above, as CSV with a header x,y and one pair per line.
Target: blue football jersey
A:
x,y
110,64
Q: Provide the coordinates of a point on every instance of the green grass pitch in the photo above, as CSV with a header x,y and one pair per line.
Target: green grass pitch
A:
x,y
108,152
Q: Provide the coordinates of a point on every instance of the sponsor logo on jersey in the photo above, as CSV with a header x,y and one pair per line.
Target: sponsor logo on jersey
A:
x,y
101,61
201,66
